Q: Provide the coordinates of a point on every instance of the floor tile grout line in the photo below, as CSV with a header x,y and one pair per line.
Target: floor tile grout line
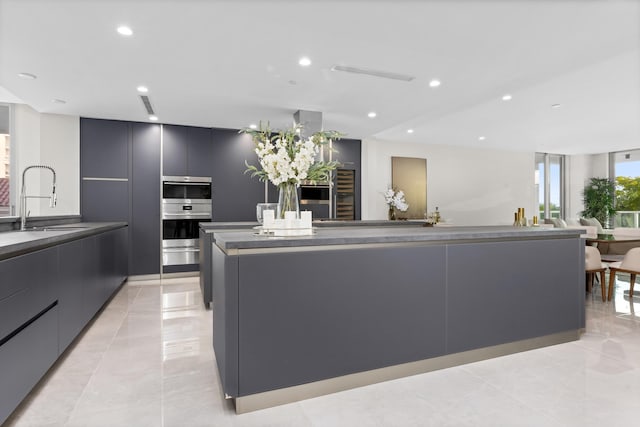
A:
x,y
104,352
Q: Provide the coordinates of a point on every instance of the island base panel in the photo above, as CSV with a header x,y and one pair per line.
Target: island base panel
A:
x,y
283,396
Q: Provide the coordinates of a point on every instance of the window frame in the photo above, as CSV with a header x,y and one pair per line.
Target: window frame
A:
x,y
547,160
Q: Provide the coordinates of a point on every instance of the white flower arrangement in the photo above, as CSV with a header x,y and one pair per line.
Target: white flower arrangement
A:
x,y
285,158
395,200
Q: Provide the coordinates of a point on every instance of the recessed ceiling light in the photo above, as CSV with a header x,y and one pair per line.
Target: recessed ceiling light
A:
x,y
142,89
507,97
253,126
481,138
372,114
125,31
555,106
58,101
409,130
153,118
434,83
304,61
28,76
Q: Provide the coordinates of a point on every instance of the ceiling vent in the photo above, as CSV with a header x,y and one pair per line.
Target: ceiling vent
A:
x,y
147,104
374,73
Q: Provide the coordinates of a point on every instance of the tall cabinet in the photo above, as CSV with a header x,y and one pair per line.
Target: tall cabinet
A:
x,y
120,181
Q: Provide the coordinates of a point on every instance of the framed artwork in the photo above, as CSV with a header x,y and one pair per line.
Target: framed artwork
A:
x,y
409,174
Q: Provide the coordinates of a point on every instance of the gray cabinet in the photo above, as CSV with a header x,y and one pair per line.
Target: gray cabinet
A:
x,y
104,149
186,150
145,201
28,286
174,151
46,299
199,152
73,279
235,194
104,201
25,359
129,188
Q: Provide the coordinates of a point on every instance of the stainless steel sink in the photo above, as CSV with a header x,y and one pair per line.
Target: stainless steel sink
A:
x,y
63,228
58,228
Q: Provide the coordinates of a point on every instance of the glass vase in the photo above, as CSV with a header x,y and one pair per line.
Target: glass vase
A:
x,y
288,200
392,214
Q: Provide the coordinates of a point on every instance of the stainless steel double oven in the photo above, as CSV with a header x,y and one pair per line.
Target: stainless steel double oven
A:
x,y
186,201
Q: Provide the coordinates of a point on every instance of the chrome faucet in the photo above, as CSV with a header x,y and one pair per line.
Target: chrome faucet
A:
x,y
23,195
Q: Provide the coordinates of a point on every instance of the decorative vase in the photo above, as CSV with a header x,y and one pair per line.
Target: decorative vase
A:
x,y
392,213
288,200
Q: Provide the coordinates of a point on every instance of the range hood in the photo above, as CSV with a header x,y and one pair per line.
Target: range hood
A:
x,y
311,122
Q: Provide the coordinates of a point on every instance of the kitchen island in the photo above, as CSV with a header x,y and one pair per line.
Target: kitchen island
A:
x,y
299,317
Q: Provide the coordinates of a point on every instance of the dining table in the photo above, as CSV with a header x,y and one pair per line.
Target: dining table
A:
x,y
612,246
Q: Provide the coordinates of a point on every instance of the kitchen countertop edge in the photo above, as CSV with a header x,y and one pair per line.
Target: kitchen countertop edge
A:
x,y
15,243
240,239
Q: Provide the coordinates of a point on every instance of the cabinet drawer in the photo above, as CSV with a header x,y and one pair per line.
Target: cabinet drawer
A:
x,y
28,286
25,358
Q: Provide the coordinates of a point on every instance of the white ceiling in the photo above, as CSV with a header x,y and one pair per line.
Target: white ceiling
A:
x,y
232,63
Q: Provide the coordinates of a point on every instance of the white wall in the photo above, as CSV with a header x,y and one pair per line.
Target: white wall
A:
x,y
469,186
52,140
60,149
580,168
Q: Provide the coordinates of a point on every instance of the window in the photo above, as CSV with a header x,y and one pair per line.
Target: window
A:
x,y
549,179
5,161
626,169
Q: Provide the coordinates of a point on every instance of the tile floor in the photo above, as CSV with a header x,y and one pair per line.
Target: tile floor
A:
x,y
147,360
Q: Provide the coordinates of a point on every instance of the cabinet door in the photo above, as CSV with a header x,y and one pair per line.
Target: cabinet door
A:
x,y
235,194
348,153
199,152
93,288
25,358
71,316
104,151
28,285
145,201
105,201
174,150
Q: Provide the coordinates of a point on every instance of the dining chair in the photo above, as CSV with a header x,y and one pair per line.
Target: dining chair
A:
x,y
629,264
593,264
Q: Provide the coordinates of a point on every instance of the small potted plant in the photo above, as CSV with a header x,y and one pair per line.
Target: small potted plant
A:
x,y
395,200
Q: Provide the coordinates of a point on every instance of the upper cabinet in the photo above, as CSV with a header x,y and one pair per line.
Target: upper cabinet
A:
x,y
235,194
105,148
187,151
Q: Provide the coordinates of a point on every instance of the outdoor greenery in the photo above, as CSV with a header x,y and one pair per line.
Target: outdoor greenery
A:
x,y
599,200
627,199
627,193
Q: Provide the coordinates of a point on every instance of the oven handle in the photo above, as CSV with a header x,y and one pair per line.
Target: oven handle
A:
x,y
186,216
185,183
182,249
